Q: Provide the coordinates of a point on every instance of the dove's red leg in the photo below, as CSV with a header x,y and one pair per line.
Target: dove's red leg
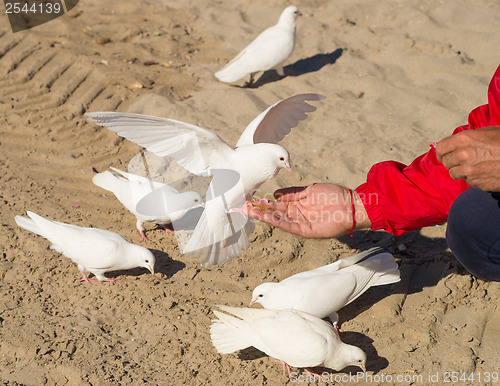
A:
x,y
167,229
86,278
314,374
143,236
286,367
114,280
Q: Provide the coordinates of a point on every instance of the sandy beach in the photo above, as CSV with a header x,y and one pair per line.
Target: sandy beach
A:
x,y
397,76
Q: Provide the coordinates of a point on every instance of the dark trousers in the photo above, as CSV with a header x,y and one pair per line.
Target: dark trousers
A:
x,y
473,232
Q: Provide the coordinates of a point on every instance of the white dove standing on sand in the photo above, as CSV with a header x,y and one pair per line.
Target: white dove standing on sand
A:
x,y
295,338
219,234
130,189
269,50
94,250
325,290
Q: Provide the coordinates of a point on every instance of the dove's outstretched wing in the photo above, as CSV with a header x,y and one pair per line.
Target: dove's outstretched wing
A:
x,y
191,146
276,121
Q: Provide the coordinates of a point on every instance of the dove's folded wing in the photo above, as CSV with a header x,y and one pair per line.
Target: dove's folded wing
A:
x,y
193,147
272,125
291,338
283,335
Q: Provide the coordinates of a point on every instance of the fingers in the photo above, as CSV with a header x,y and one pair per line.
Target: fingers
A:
x,y
292,193
277,219
445,146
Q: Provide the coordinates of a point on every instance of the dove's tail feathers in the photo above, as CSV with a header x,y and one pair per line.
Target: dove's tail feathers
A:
x,y
108,181
224,334
42,226
376,270
234,70
28,224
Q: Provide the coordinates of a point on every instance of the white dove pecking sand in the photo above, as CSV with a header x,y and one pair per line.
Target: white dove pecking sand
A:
x,y
220,234
130,189
296,338
94,250
325,290
269,50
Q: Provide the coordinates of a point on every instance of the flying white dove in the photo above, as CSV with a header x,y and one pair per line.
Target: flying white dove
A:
x,y
269,50
325,290
94,250
295,338
130,189
220,234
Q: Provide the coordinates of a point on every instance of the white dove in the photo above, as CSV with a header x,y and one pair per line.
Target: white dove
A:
x,y
237,173
269,50
296,338
94,250
325,290
131,189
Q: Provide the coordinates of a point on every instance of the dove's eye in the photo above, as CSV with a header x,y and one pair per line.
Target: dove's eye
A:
x,y
261,295
282,158
147,261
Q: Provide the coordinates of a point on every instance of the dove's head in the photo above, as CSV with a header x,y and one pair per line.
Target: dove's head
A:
x,y
143,257
348,355
290,14
281,157
263,294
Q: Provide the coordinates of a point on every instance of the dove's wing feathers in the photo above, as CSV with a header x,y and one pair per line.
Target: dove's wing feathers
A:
x,y
271,48
272,125
219,236
77,243
337,265
143,180
193,147
285,335
377,270
319,295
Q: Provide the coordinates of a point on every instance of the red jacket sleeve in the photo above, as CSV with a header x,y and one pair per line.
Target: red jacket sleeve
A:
x,y
400,198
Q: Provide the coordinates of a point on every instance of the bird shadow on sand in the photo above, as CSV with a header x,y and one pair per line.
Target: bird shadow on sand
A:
x,y
164,265
423,262
300,67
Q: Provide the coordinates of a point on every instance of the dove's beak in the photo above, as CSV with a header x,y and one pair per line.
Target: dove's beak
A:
x,y
288,168
363,367
151,269
252,302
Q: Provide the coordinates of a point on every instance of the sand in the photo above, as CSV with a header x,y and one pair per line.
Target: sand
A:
x,y
397,75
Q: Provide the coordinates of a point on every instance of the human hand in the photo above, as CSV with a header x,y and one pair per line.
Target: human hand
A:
x,y
473,155
314,211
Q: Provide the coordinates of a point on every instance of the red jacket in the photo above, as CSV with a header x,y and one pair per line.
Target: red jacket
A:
x,y
400,198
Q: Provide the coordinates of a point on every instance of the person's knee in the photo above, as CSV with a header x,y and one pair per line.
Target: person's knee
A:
x,y
471,234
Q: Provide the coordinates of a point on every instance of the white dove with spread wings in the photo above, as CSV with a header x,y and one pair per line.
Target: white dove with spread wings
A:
x,y
220,234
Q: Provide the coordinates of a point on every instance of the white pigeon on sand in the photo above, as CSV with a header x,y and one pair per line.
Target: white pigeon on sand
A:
x,y
295,338
130,189
94,250
269,50
325,290
220,234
